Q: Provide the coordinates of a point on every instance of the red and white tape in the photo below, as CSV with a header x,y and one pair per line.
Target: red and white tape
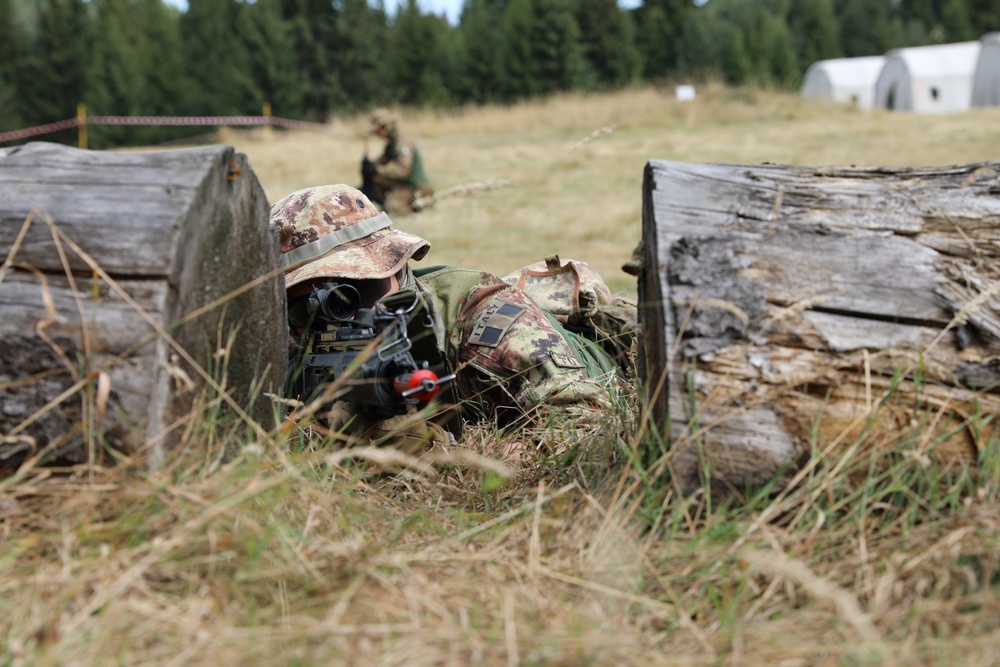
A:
x,y
38,129
159,120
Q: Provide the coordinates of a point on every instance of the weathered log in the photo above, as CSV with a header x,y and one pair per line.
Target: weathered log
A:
x,y
791,309
119,274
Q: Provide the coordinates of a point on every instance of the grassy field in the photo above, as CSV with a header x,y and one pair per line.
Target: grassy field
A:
x,y
291,553
574,164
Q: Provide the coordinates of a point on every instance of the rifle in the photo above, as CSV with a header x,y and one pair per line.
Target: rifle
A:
x,y
367,353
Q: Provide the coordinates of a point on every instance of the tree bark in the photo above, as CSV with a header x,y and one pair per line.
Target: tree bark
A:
x,y
793,310
152,273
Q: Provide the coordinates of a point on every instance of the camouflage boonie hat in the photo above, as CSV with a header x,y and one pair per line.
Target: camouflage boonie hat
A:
x,y
334,231
383,117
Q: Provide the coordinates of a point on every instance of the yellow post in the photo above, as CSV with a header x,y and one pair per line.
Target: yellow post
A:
x,y
267,114
81,124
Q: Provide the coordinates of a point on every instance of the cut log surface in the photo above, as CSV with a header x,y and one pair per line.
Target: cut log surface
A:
x,y
789,308
113,264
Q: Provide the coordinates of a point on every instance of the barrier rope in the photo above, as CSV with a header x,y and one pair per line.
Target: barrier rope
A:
x,y
38,129
160,120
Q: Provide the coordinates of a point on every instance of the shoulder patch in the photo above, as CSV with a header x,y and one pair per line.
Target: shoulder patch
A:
x,y
565,360
494,323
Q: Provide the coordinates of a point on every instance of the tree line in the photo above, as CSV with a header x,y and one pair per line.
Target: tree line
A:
x,y
312,59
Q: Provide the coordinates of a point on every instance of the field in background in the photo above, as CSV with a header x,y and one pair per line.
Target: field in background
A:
x,y
293,553
575,163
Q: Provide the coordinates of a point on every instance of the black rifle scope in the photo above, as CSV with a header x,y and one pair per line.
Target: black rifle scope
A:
x,y
334,303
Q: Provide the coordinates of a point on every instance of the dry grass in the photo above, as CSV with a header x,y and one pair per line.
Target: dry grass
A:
x,y
289,554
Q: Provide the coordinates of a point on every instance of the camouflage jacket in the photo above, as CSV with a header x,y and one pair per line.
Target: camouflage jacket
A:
x,y
401,161
511,358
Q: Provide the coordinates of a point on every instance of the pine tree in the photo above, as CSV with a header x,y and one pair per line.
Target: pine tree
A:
x,y
54,77
116,86
313,26
778,63
9,118
654,47
519,66
922,11
660,26
160,51
481,77
362,70
864,27
736,67
542,52
956,22
270,53
607,36
416,57
11,52
556,47
449,64
814,30
917,22
702,44
983,16
216,59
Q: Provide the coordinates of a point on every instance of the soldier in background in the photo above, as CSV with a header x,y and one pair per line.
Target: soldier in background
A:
x,y
397,178
513,361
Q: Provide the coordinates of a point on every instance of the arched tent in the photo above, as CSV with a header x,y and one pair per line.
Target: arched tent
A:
x,y
986,80
928,79
847,80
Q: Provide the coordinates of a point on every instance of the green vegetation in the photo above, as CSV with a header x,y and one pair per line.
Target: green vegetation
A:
x,y
317,59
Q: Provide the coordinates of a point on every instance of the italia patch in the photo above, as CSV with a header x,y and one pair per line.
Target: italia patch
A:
x,y
494,323
565,360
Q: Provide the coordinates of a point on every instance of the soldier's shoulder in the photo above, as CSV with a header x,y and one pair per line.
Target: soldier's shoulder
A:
x,y
458,290
447,273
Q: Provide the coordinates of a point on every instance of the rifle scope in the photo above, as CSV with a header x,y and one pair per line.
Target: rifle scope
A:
x,y
334,302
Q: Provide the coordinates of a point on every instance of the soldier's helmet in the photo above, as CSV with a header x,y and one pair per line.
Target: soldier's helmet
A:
x,y
334,231
384,118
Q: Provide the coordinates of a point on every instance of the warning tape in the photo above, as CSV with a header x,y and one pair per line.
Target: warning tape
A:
x,y
202,120
160,120
40,129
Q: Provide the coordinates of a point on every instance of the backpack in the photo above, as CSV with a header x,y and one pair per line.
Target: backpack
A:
x,y
578,298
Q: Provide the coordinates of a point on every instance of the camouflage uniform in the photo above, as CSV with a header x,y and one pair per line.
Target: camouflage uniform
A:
x,y
511,358
400,176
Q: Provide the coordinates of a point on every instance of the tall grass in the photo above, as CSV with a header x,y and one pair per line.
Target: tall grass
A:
x,y
279,548
293,552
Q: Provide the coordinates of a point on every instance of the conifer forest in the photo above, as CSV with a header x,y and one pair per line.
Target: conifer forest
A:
x,y
313,59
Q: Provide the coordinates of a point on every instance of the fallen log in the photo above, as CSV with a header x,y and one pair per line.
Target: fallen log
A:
x,y
789,311
135,286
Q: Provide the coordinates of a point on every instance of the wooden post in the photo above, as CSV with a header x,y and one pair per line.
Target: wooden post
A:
x,y
787,310
81,124
149,276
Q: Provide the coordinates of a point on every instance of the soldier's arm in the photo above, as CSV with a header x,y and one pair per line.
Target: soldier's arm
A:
x,y
516,363
399,164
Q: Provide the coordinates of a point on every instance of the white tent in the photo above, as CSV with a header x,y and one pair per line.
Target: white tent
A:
x,y
986,80
928,79
848,80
